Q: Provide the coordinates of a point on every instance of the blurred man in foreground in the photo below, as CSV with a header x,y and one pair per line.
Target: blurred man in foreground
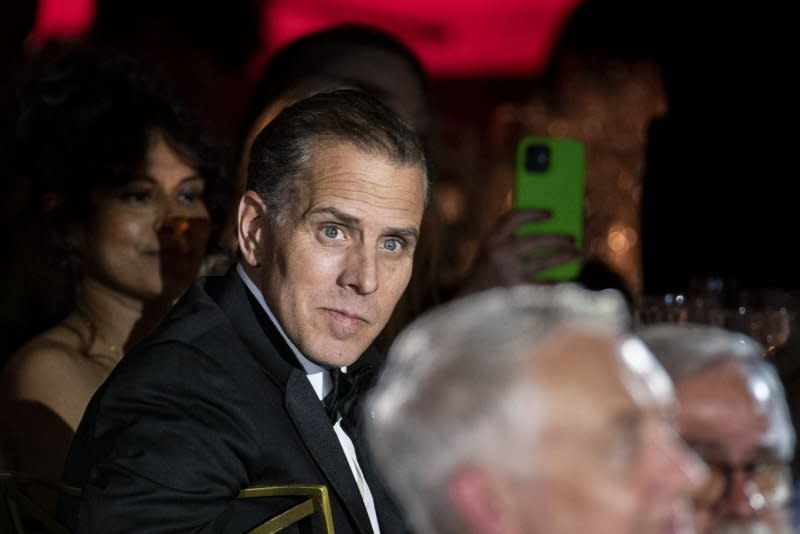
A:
x,y
535,413
733,413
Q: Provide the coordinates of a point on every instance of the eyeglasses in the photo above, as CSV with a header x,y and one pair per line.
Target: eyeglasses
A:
x,y
766,484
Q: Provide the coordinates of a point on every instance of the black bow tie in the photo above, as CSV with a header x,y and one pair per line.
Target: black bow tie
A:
x,y
341,400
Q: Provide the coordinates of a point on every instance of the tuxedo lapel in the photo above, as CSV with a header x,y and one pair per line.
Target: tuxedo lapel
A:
x,y
321,440
251,323
391,521
302,404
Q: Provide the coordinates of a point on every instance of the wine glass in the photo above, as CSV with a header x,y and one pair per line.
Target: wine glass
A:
x,y
766,315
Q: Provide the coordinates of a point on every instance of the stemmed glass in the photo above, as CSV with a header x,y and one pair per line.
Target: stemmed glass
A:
x,y
766,315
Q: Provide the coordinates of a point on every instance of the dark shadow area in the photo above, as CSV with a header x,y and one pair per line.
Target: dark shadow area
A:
x,y
46,442
717,192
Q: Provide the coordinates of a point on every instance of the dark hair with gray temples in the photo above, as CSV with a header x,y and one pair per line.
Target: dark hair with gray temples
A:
x,y
282,152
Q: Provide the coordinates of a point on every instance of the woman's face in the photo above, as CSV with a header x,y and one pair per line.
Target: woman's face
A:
x,y
148,237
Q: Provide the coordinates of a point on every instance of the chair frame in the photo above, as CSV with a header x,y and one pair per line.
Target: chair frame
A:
x,y
317,501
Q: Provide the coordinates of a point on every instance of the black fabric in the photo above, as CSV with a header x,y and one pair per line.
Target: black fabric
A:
x,y
347,388
213,402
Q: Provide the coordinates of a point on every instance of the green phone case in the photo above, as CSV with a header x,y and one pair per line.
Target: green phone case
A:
x,y
559,188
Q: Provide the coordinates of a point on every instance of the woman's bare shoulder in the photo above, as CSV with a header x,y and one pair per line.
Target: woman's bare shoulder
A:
x,y
53,370
53,357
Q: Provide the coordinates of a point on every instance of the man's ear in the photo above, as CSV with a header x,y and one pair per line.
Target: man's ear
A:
x,y
480,501
252,227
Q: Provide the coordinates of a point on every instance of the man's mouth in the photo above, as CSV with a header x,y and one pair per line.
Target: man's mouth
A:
x,y
346,316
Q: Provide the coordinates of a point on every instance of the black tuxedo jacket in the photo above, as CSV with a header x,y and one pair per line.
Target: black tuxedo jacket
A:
x,y
213,402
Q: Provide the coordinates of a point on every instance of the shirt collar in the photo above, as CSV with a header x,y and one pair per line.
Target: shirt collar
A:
x,y
319,376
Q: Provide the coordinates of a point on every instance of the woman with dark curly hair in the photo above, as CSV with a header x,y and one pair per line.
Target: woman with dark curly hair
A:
x,y
130,193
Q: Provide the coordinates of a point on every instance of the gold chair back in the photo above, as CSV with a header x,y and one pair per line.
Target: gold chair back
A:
x,y
317,502
17,505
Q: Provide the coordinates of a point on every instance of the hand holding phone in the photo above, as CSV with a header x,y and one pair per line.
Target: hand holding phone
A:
x,y
508,259
550,178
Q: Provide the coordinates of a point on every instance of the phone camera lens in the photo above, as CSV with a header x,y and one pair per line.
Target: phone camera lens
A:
x,y
537,158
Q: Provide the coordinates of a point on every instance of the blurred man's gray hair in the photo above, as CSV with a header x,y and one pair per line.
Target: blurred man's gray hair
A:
x,y
453,393
685,350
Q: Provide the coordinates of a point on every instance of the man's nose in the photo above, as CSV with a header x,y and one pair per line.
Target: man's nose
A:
x,y
360,271
682,468
737,501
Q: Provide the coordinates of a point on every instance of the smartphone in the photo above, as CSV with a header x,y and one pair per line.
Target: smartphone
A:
x,y
550,175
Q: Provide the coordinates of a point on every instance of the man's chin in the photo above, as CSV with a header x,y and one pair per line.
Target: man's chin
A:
x,y
334,353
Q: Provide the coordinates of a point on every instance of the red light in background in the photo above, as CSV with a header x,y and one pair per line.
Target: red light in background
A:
x,y
465,38
471,38
62,19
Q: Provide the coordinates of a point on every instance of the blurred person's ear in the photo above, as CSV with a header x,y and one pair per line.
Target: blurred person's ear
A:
x,y
252,227
480,502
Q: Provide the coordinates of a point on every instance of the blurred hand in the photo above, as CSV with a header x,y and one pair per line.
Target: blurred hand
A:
x,y
507,259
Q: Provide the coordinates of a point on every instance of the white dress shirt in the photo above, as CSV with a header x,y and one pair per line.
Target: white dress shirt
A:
x,y
320,380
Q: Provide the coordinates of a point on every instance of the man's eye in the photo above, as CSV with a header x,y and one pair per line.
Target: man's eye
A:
x,y
392,245
332,232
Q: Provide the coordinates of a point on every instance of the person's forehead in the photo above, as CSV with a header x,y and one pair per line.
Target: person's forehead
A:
x,y
590,369
719,410
165,167
583,364
335,155
339,170
571,351
720,379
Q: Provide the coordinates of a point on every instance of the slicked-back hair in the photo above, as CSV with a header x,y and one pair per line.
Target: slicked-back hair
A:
x,y
282,153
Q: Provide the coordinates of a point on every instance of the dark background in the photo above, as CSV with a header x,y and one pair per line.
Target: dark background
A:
x,y
718,196
719,190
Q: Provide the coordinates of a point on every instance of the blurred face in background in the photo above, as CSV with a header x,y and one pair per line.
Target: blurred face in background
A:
x,y
394,81
607,458
721,417
147,238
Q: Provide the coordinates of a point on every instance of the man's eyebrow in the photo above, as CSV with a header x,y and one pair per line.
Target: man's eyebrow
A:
x,y
766,453
337,214
408,233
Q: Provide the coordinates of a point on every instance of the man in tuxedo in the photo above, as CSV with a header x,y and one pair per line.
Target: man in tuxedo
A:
x,y
536,413
246,381
733,412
